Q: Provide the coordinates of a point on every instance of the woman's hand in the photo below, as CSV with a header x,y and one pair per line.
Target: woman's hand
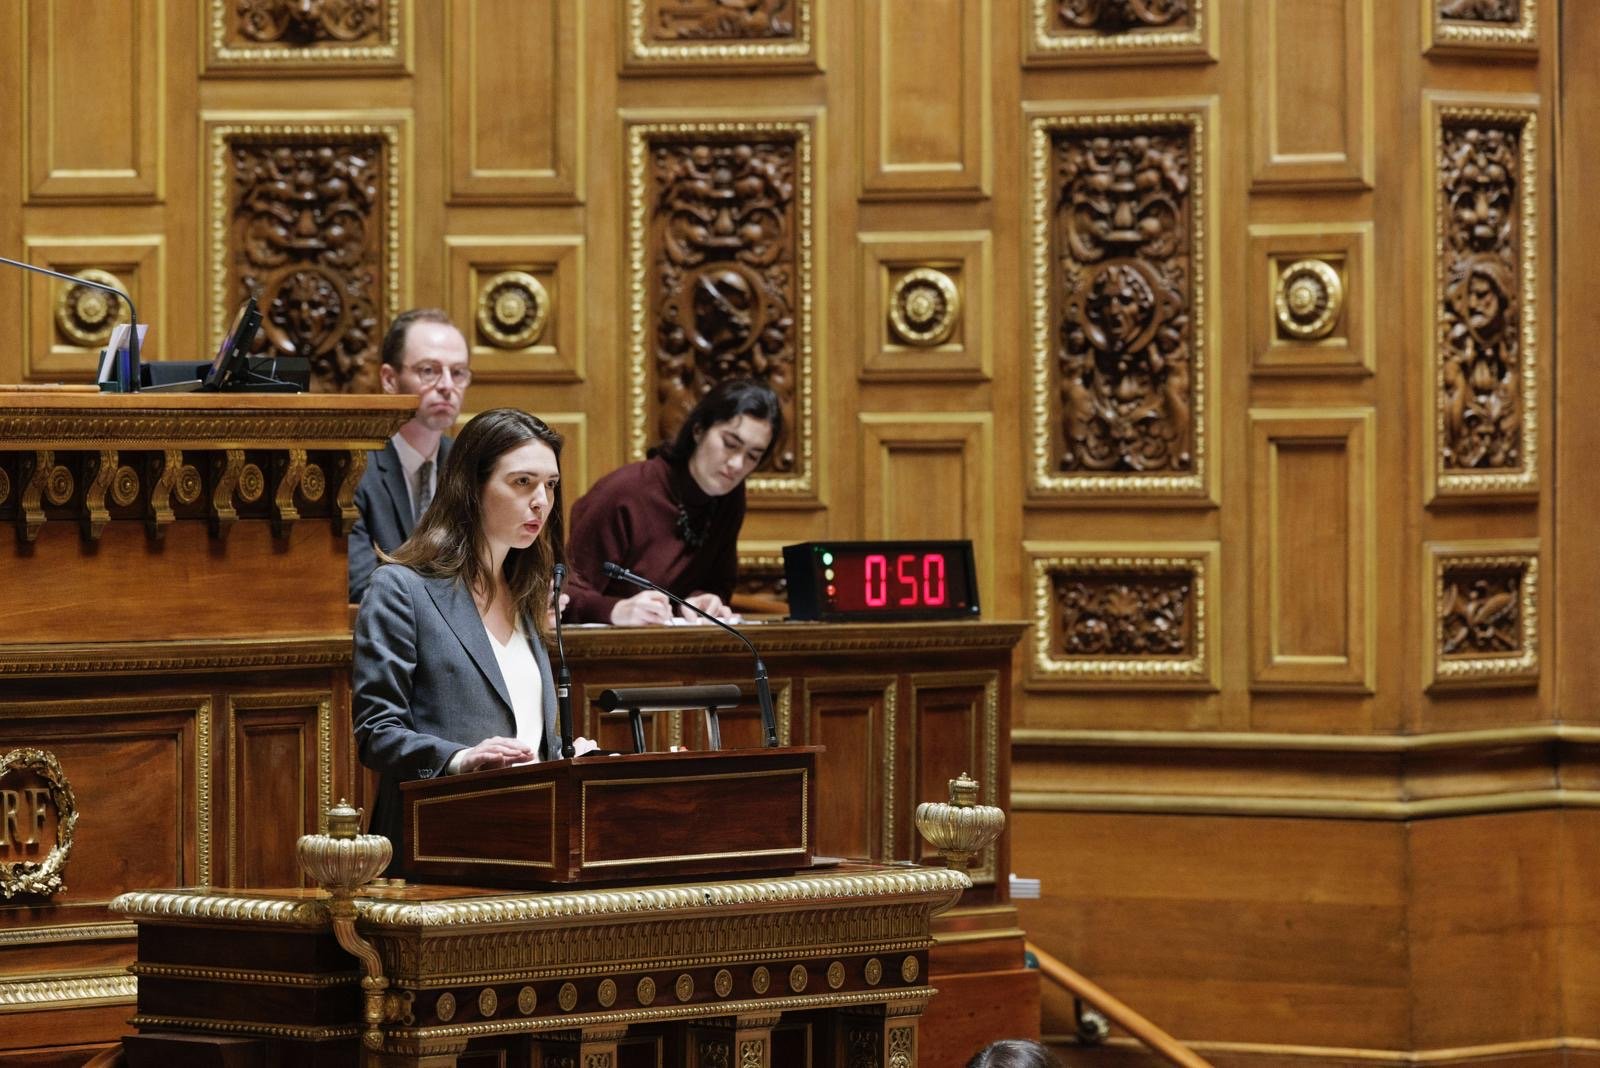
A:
x,y
642,609
710,604
495,753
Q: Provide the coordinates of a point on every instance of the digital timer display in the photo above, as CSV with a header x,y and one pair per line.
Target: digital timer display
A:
x,y
881,580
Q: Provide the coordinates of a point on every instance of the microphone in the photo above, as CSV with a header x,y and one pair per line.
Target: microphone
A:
x,y
127,375
769,721
563,676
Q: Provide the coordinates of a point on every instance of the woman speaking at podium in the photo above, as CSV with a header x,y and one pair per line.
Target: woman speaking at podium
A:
x,y
674,517
451,672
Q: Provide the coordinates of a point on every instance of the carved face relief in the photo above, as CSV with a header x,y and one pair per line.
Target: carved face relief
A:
x,y
305,22
1122,615
688,20
1115,16
724,283
1481,10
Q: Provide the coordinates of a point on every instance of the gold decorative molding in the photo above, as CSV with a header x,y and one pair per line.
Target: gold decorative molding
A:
x,y
1109,40
86,316
202,779
244,975
1483,343
1191,123
178,906
1308,297
1481,599
1467,33
802,129
335,47
728,53
1195,566
196,421
488,275
153,1022
601,642
1347,344
68,992
54,935
168,657
924,307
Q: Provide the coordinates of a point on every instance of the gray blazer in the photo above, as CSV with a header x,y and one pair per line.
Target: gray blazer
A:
x,y
384,507
426,684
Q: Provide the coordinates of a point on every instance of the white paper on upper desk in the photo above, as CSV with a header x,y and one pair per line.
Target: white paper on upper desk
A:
x,y
580,746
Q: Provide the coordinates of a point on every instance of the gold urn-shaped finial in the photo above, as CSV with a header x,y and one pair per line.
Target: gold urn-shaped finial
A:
x,y
343,859
962,828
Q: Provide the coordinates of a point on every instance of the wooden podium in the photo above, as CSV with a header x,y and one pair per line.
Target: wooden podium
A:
x,y
606,819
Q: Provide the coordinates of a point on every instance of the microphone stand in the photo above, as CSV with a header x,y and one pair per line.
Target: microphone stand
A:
x,y
769,720
563,676
127,375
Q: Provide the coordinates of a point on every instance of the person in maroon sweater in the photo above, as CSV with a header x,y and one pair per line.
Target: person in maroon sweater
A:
x,y
674,517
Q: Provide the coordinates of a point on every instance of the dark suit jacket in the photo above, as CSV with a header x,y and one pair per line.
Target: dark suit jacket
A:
x,y
426,684
385,513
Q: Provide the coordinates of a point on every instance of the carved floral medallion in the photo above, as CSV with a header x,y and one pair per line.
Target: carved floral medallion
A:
x,y
1485,613
1481,10
721,20
1066,30
721,249
729,34
86,316
246,33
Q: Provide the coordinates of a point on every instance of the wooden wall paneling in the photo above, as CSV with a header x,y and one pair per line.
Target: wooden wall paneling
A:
x,y
927,304
1312,66
953,726
1498,30
373,37
701,310
517,80
1313,538
949,456
1122,306
521,303
856,718
1311,298
1580,913
279,782
94,111
925,98
1102,34
64,327
342,175
575,467
1124,615
1482,179
148,825
1480,608
754,37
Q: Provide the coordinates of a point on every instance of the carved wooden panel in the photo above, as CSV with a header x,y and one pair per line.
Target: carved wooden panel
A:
x,y
1118,31
950,453
1125,615
272,35
720,249
1313,125
520,301
925,104
516,100
111,150
1311,297
926,306
279,782
1120,303
761,572
954,727
160,798
306,216
1313,556
856,718
1484,178
1482,599
1486,28
65,326
749,35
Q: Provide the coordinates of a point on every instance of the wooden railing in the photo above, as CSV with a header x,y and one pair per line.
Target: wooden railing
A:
x,y
1152,1037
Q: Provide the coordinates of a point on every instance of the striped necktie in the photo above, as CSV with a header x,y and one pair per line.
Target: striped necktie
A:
x,y
423,491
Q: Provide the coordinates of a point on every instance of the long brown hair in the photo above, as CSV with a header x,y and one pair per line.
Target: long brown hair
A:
x,y
449,539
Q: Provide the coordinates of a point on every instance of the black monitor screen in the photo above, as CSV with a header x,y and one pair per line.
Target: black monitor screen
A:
x,y
232,362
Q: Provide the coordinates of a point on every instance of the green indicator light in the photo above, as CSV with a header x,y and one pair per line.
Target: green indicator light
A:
x,y
827,558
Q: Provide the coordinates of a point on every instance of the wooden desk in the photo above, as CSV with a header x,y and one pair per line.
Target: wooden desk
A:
x,y
827,968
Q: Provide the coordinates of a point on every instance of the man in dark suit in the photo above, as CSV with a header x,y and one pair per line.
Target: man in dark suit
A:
x,y
426,356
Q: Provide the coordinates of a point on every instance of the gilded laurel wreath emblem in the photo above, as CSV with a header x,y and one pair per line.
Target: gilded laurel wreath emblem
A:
x,y
33,786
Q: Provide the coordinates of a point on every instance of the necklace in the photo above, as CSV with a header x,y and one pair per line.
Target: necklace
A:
x,y
691,534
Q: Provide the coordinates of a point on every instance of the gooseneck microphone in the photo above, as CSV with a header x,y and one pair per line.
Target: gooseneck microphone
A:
x,y
127,375
769,722
563,676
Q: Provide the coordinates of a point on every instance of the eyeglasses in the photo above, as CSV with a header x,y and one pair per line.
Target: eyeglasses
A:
x,y
430,373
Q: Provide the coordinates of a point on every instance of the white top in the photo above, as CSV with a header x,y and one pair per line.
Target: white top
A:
x,y
521,672
411,462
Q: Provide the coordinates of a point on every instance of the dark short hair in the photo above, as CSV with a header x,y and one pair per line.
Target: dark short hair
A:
x,y
394,342
1014,1053
725,402
449,539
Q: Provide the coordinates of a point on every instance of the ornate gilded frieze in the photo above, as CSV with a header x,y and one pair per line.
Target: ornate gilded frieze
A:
x,y
306,217
1120,304
1485,300
1483,599
327,34
716,34
1476,26
1105,30
38,814
1135,616
721,238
